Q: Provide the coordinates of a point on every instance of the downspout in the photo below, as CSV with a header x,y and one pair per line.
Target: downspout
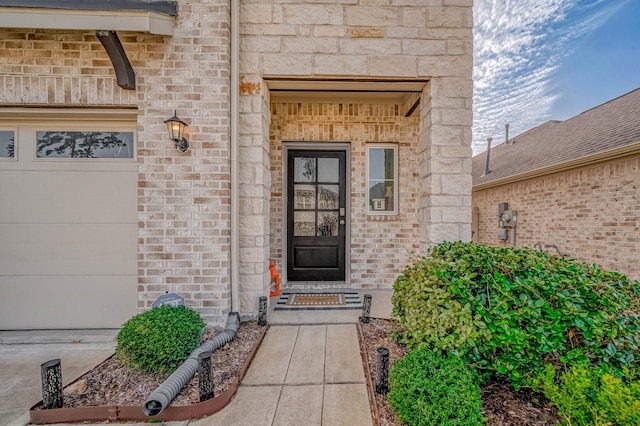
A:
x,y
167,391
234,94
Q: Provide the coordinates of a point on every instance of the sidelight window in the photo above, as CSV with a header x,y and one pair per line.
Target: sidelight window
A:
x,y
382,179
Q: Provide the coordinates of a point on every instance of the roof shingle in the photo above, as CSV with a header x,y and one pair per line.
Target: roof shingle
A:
x,y
611,125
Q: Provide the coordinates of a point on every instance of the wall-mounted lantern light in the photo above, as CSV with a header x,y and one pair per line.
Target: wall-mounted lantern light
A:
x,y
176,127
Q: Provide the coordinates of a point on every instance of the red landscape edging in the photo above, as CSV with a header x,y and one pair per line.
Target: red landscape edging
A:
x,y
365,362
198,410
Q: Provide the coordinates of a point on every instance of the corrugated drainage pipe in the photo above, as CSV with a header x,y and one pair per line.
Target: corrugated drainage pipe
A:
x,y
162,397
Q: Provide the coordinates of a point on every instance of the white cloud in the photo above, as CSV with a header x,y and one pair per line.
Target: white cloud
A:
x,y
518,47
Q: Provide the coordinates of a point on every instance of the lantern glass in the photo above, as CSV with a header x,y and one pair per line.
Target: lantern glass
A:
x,y
175,127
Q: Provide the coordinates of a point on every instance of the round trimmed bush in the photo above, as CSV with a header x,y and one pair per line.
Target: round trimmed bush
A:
x,y
427,389
159,339
509,312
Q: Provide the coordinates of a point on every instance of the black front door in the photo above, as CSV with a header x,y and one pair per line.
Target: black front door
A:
x,y
316,215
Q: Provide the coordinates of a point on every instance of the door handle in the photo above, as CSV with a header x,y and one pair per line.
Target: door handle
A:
x,y
342,222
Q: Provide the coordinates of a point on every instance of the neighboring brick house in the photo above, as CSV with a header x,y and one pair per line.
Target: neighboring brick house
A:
x,y
575,185
295,109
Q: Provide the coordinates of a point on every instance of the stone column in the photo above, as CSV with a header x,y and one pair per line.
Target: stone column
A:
x,y
255,193
445,155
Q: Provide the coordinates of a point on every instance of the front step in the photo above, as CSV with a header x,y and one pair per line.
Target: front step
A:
x,y
310,286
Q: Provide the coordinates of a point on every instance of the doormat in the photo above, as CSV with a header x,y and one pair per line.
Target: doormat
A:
x,y
318,301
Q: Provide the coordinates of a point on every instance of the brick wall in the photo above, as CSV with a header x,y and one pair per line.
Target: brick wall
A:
x,y
381,246
64,68
183,198
591,213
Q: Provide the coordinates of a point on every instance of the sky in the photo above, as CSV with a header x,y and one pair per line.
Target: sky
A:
x,y
540,60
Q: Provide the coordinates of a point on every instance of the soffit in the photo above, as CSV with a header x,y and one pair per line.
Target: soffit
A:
x,y
155,17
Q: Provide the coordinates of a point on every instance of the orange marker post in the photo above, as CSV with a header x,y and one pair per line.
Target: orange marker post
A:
x,y
275,280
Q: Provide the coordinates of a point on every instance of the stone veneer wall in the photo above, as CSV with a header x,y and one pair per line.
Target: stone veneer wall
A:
x,y
343,39
183,198
589,212
445,161
381,246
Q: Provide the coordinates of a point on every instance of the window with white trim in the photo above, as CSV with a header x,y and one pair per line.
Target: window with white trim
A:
x,y
382,179
84,144
7,144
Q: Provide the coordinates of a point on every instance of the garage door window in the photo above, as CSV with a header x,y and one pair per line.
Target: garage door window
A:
x,y
7,144
84,144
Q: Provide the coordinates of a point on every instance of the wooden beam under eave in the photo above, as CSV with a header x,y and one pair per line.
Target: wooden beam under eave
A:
x,y
125,76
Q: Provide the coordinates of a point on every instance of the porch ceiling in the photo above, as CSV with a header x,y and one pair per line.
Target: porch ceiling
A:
x,y
368,91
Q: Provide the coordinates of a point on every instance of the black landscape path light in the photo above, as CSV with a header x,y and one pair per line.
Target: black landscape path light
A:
x,y
366,309
382,381
51,373
205,376
262,311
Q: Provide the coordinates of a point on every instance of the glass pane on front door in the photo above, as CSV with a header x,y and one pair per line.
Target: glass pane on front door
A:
x,y
329,170
304,170
305,197
328,197
327,224
304,224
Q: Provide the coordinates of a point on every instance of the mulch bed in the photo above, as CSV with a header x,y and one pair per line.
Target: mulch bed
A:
x,y
501,405
113,384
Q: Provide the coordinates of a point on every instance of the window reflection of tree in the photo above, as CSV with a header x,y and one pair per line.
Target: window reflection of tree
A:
x,y
11,148
328,227
309,169
77,144
389,176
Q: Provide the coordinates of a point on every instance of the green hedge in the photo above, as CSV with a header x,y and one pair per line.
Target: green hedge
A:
x,y
159,339
512,311
587,396
427,389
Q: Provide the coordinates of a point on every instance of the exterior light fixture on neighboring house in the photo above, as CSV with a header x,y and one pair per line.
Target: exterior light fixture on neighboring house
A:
x,y
176,127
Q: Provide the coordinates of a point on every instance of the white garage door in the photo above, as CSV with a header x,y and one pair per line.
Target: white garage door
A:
x,y
68,196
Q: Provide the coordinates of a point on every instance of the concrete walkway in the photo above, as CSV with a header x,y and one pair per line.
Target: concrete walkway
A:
x,y
302,375
307,371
